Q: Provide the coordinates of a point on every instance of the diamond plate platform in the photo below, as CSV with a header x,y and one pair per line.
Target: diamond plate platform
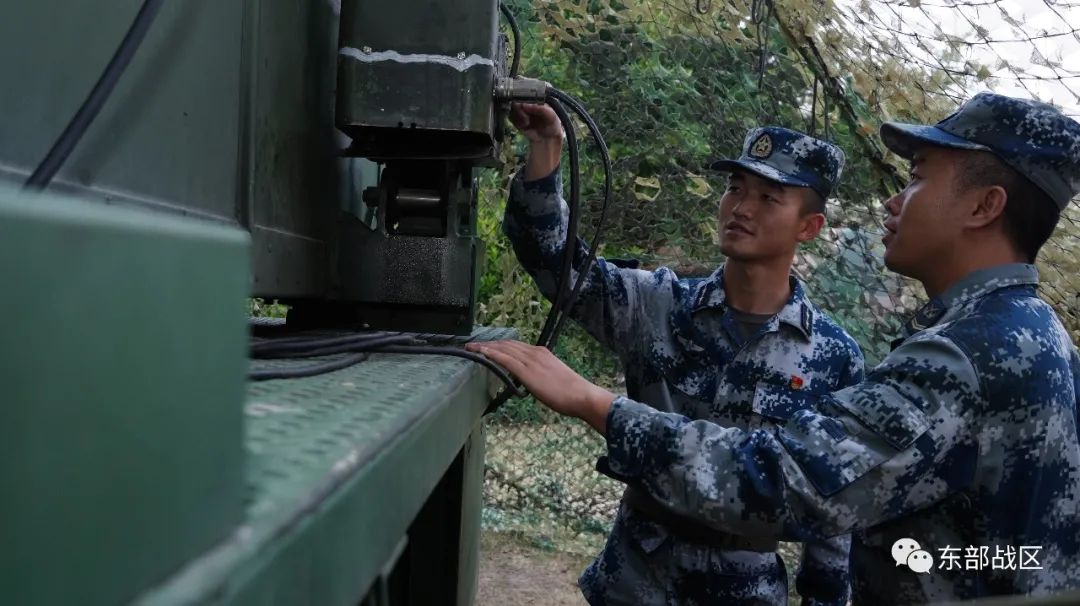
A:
x,y
338,467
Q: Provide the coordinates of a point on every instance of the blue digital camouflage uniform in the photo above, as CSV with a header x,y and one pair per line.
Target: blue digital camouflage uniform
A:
x,y
964,438
683,353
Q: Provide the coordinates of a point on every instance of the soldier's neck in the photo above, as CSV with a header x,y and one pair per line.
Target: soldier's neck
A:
x,y
757,287
978,254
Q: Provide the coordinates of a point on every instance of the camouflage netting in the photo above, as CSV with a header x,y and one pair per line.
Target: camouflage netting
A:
x,y
674,83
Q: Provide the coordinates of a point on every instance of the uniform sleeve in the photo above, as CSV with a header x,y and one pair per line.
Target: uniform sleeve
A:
x,y
892,444
1076,383
824,576
613,300
824,572
856,368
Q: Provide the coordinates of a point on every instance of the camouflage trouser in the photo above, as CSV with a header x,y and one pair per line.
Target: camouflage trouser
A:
x,y
642,564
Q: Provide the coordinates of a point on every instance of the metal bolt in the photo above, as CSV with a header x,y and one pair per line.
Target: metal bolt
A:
x,y
461,56
366,49
371,196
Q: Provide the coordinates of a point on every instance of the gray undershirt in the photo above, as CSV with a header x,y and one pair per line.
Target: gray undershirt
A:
x,y
748,323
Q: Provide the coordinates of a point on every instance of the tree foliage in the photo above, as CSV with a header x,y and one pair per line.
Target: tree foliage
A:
x,y
676,83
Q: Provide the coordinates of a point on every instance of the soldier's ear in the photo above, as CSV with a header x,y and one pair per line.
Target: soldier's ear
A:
x,y
988,206
812,223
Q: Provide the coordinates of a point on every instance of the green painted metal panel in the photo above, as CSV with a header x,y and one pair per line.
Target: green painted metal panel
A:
x,y
168,136
339,465
472,493
225,112
122,365
291,180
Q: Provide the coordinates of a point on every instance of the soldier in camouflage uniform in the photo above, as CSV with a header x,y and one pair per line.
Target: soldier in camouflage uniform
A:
x,y
963,440
704,349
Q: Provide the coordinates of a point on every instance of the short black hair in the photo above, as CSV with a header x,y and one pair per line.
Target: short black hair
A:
x,y
813,203
1030,215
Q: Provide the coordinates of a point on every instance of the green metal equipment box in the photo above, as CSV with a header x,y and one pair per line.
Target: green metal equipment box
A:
x,y
140,465
122,372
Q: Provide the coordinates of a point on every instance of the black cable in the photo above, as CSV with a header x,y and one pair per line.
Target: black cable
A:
x,y
605,157
58,154
363,345
562,300
561,306
573,220
302,341
352,346
516,61
498,401
458,353
301,345
307,371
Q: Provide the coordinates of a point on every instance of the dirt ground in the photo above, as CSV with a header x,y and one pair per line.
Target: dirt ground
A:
x,y
513,573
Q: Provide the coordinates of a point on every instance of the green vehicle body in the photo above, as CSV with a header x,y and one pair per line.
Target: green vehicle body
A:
x,y
140,465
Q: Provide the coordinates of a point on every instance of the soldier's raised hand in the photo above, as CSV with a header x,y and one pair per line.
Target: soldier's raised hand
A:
x,y
536,122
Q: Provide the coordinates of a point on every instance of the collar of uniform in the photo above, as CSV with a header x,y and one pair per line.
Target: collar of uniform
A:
x,y
976,284
797,312
984,281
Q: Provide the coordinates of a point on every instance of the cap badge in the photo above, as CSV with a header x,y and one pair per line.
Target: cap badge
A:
x,y
762,147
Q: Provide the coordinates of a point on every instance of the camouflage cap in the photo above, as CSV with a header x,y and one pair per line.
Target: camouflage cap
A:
x,y
1036,139
789,157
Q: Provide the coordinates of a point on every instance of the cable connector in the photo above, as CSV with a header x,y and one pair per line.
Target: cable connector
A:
x,y
522,90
